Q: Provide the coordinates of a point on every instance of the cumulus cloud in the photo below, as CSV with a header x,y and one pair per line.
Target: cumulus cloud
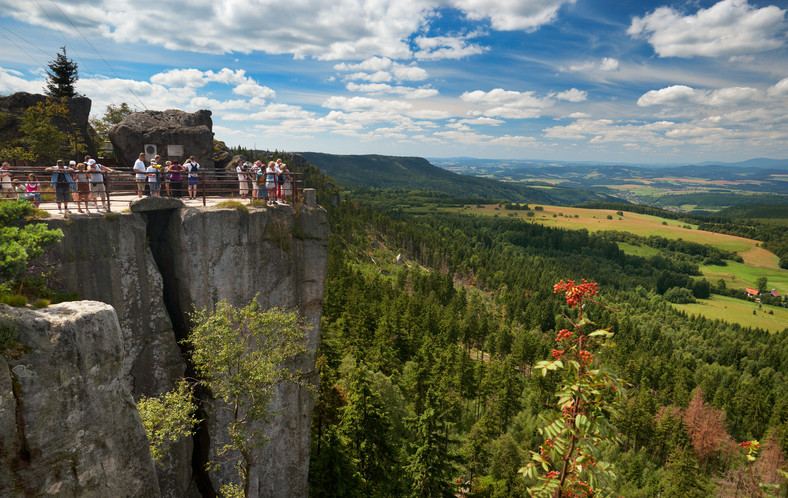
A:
x,y
509,15
572,95
12,81
382,88
337,30
780,89
728,28
381,70
445,47
681,94
508,104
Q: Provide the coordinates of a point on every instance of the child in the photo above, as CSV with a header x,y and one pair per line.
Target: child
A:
x,y
21,195
33,190
83,188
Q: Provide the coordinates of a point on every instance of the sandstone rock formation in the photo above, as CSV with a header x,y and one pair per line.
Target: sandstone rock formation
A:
x,y
190,131
156,263
13,106
69,426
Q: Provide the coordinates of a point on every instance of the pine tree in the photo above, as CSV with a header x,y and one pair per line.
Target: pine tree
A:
x,y
62,76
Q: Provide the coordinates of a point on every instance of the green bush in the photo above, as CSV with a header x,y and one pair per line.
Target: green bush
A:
x,y
16,300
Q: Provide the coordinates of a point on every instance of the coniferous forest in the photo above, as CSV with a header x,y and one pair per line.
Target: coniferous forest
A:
x,y
429,384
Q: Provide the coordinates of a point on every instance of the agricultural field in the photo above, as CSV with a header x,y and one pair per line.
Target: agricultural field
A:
x,y
758,262
739,311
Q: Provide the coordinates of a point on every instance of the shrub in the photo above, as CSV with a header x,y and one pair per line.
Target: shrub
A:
x,y
16,300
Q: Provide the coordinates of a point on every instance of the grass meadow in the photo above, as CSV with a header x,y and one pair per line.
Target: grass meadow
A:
x,y
739,311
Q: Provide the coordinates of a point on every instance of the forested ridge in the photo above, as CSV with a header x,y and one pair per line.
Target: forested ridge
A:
x,y
427,386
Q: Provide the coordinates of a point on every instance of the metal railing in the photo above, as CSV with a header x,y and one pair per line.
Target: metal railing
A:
x,y
122,186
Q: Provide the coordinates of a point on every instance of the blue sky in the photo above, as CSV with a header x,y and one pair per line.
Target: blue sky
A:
x,y
614,81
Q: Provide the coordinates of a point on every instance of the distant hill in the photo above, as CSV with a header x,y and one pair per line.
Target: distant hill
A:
x,y
416,173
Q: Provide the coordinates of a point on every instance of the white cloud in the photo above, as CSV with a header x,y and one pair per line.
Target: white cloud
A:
x,y
364,103
681,94
507,104
11,81
445,47
509,15
337,30
572,95
382,88
670,95
780,89
605,64
253,89
730,27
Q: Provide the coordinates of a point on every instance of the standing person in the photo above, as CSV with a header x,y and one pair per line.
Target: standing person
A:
x,y
167,179
140,174
280,180
33,189
286,182
176,178
6,182
254,170
259,180
97,186
270,181
61,181
193,167
83,188
240,170
154,184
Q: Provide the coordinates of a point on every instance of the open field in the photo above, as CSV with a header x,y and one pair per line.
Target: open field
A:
x,y
758,262
739,311
739,276
639,224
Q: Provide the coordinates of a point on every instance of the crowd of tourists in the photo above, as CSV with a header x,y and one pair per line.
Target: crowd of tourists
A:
x,y
82,183
166,178
273,182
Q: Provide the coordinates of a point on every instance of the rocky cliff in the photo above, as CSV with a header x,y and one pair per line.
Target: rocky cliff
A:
x,y
153,265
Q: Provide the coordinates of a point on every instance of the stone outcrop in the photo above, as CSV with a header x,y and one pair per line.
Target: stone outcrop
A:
x,y
192,132
156,263
13,106
68,424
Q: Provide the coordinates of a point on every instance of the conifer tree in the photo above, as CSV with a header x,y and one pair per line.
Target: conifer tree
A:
x,y
62,76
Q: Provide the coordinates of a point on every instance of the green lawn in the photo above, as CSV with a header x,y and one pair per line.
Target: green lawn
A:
x,y
739,276
739,311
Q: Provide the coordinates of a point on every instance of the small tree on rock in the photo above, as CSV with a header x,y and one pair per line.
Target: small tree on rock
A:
x,y
61,76
242,355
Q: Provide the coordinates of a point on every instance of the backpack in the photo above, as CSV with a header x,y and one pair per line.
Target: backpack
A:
x,y
193,169
281,179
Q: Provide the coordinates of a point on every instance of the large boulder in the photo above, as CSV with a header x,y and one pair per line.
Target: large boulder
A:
x,y
13,106
68,424
175,134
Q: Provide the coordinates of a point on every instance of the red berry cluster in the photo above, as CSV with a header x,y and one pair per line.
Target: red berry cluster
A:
x,y
586,356
552,474
557,353
564,335
575,293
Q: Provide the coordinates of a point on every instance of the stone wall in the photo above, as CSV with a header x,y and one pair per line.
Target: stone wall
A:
x,y
156,263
